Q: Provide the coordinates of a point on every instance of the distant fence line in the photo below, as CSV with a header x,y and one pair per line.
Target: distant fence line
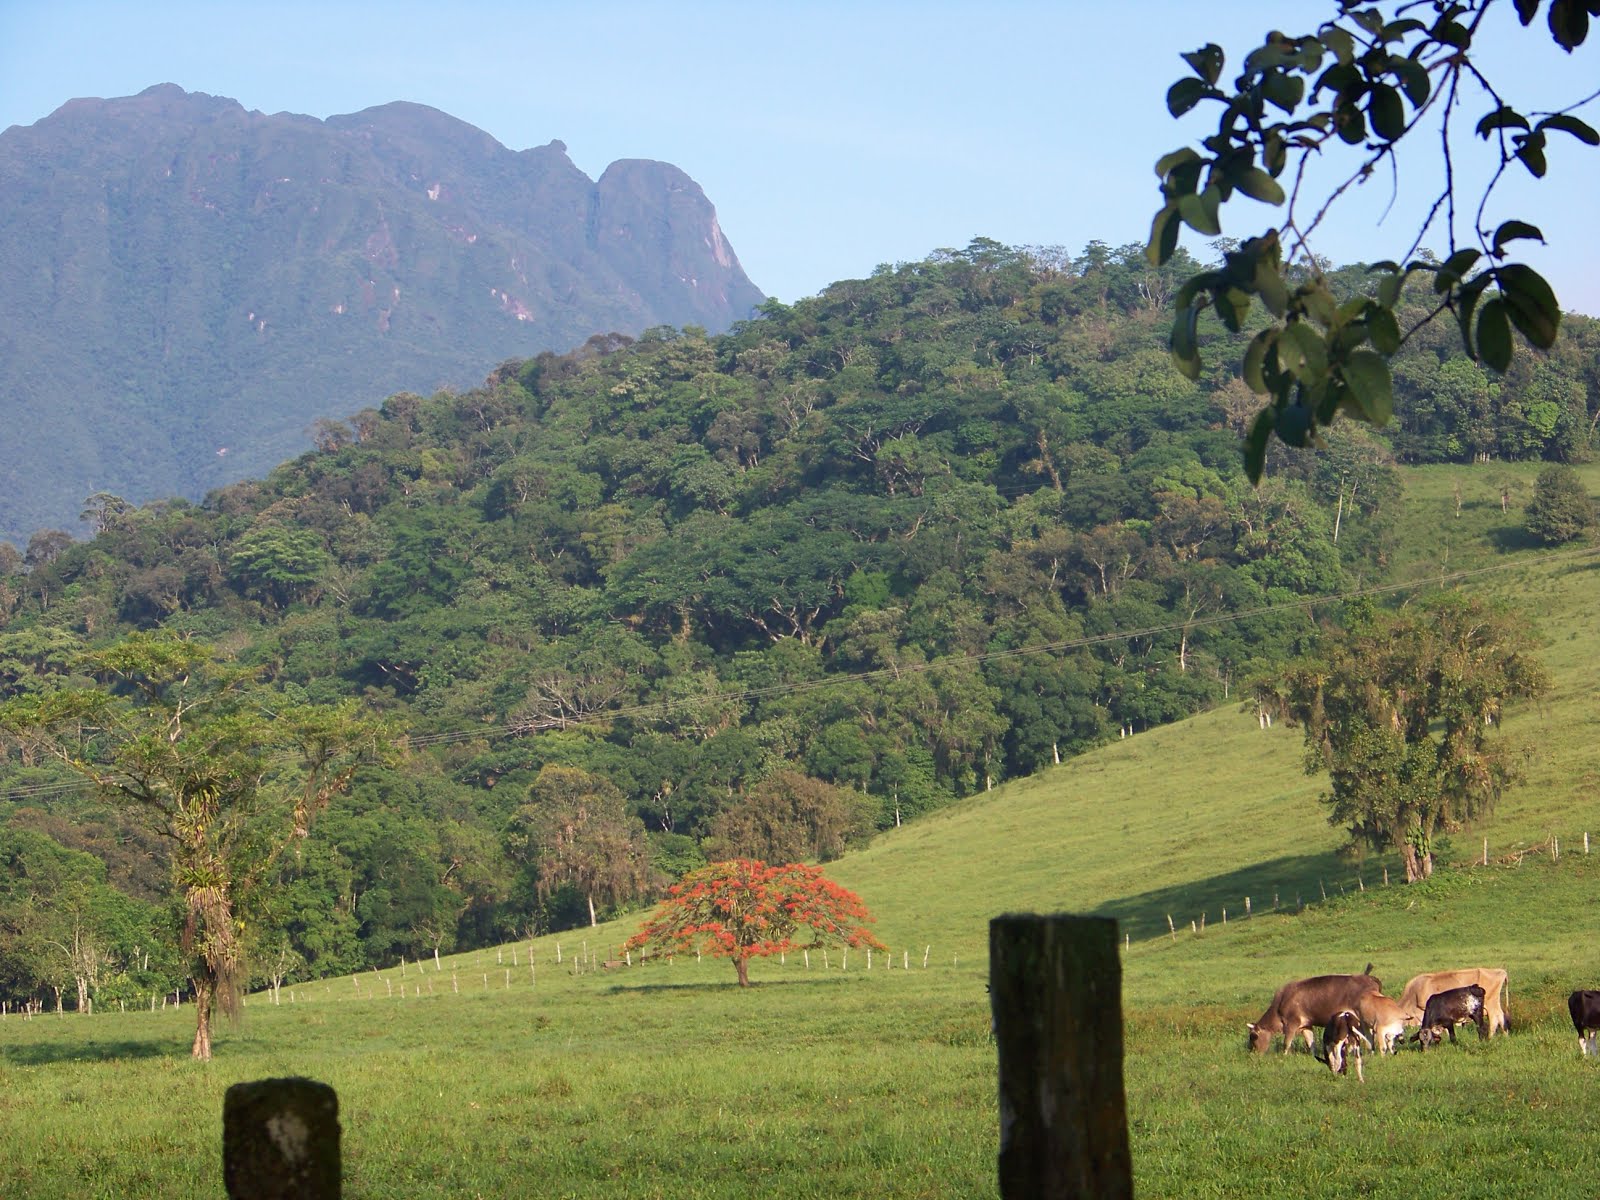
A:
x,y
412,978
1550,847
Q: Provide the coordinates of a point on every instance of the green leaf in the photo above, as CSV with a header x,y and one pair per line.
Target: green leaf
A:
x,y
1302,353
1294,425
1206,62
1389,289
1185,348
1200,211
1511,231
1366,374
1166,163
1494,335
1503,117
1254,356
1233,306
1270,287
1258,185
1414,79
1569,23
1184,95
1255,443
1531,303
1527,10
1466,302
1283,90
1581,130
1383,329
1453,33
1163,235
1531,152
1339,43
1387,113
1453,269
1350,124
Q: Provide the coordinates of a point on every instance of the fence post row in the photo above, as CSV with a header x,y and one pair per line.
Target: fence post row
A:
x,y
1055,983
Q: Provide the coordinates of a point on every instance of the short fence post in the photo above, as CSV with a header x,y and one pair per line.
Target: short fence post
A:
x,y
280,1137
1056,988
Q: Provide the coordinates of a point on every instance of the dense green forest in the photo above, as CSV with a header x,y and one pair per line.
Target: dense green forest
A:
x,y
762,593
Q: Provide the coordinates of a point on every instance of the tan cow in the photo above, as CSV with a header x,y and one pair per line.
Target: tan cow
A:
x,y
1423,987
1384,1019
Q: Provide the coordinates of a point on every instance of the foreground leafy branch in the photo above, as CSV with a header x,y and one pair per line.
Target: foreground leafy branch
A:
x,y
1363,82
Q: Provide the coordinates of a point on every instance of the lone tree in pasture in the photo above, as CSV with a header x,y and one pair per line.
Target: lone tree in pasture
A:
x,y
1400,709
1560,510
228,772
745,909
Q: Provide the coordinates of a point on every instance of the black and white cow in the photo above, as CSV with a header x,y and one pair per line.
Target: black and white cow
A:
x,y
1446,1010
1342,1040
1585,1010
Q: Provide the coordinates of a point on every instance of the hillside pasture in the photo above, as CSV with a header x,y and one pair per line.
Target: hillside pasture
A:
x,y
831,1080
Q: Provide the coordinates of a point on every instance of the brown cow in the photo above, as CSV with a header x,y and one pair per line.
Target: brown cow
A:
x,y
1384,1020
1414,1000
1306,1004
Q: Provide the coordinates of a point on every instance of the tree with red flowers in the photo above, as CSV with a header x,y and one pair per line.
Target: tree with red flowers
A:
x,y
745,909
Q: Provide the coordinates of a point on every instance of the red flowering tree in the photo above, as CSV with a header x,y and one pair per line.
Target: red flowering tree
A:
x,y
745,909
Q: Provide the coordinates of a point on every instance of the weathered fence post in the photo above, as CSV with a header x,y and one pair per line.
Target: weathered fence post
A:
x,y
280,1139
1055,983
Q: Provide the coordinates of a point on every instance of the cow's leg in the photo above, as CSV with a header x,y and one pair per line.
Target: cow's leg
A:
x,y
1356,1050
1452,1028
1290,1032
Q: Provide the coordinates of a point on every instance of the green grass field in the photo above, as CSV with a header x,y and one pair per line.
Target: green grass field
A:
x,y
667,1081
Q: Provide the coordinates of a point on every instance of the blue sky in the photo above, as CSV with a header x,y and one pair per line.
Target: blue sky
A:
x,y
831,136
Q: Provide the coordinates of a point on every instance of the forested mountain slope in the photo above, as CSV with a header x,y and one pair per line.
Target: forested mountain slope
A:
x,y
190,285
757,593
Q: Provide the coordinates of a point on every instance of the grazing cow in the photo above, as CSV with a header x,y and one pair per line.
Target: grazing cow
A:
x,y
1585,1010
1491,979
1307,1004
1384,1021
1342,1041
1448,1009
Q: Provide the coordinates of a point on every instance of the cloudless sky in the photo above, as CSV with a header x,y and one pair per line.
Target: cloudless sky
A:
x,y
831,137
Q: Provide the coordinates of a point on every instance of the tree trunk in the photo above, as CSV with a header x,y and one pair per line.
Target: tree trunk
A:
x,y
741,966
204,992
1413,863
593,921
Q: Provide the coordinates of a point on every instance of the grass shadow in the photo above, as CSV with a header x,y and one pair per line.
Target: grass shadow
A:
x,y
41,1054
1284,884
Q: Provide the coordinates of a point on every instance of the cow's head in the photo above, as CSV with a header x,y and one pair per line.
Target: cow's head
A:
x,y
1259,1039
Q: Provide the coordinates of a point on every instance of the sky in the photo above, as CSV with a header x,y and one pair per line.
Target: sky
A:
x,y
831,137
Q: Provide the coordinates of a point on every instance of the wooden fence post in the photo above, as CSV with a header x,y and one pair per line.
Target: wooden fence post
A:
x,y
1055,983
280,1138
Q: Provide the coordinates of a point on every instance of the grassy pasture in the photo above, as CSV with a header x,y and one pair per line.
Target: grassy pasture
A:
x,y
666,1081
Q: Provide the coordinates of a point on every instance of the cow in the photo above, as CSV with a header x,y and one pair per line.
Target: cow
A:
x,y
1446,1010
1303,1005
1414,999
1384,1020
1585,1009
1342,1041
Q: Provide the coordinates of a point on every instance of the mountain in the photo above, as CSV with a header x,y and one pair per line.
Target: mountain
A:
x,y
188,285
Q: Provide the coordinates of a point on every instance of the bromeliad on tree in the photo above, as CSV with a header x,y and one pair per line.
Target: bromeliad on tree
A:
x,y
744,909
